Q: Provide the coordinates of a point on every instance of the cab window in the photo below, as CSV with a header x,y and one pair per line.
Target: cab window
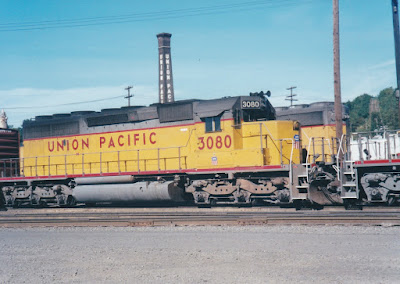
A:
x,y
213,124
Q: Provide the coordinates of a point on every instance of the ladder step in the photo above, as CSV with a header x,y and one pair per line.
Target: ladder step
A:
x,y
349,185
349,173
301,186
302,176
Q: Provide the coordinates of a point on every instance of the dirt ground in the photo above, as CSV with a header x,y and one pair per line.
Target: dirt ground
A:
x,y
270,254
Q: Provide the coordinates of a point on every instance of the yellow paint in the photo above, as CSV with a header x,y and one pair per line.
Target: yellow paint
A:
x,y
320,140
162,149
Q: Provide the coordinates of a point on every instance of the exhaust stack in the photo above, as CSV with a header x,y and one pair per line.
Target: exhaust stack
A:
x,y
166,83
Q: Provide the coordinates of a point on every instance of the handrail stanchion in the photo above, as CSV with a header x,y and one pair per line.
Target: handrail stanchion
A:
x,y
138,161
179,153
281,154
340,149
388,147
119,167
22,167
83,164
101,164
313,149
360,148
158,158
36,166
11,173
48,161
65,165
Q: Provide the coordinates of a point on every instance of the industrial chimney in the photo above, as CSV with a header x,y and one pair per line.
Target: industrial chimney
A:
x,y
166,83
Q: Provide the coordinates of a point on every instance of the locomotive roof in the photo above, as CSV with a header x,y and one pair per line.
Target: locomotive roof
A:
x,y
141,116
318,113
202,108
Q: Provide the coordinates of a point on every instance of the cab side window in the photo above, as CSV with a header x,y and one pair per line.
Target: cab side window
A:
x,y
213,124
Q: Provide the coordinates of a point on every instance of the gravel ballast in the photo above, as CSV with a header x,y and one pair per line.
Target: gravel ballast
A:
x,y
248,254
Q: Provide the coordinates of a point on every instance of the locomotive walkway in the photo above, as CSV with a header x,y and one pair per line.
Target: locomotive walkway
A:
x,y
191,216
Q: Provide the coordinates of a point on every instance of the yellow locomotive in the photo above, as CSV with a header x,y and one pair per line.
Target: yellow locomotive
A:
x,y
228,150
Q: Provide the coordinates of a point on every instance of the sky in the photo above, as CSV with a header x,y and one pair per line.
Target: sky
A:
x,y
64,56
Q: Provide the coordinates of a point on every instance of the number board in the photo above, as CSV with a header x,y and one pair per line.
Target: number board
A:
x,y
250,103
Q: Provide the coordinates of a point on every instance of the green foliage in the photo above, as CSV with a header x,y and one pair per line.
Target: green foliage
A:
x,y
389,108
362,120
359,112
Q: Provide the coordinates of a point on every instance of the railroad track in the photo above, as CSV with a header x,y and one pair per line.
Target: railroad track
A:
x,y
137,217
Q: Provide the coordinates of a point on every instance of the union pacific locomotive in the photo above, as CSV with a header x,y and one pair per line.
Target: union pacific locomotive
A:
x,y
230,150
221,151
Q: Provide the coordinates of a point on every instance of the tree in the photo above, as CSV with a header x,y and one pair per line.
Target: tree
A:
x,y
389,108
359,112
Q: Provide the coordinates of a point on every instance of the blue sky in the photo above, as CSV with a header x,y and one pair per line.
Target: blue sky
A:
x,y
223,52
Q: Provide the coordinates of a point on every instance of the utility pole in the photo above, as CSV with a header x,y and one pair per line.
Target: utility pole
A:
x,y
336,71
129,96
395,10
291,96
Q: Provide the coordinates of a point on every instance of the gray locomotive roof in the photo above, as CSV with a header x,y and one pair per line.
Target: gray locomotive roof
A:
x,y
318,113
126,118
214,107
201,108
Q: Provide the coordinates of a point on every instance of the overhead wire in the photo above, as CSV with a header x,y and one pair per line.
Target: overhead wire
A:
x,y
159,15
135,17
65,104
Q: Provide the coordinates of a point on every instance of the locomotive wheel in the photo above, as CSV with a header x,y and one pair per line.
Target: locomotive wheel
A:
x,y
42,204
391,201
71,201
256,202
351,205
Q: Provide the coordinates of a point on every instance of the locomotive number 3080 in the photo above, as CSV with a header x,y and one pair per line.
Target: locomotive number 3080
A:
x,y
217,142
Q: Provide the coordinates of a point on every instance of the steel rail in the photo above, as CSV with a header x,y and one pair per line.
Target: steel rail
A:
x,y
134,217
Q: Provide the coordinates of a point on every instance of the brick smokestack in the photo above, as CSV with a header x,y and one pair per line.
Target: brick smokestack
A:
x,y
166,83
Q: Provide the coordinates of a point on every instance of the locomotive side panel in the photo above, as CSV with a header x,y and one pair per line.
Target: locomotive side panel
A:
x,y
124,151
167,149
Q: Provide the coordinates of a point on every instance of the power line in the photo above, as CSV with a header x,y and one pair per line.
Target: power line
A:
x,y
129,96
291,96
150,16
124,16
66,104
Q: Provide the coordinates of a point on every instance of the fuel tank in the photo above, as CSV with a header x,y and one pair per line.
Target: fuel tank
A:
x,y
137,192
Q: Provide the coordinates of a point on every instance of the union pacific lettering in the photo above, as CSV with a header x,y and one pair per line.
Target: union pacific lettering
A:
x,y
103,142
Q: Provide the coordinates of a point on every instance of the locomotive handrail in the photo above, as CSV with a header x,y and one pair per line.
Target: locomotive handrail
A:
x,y
272,138
291,160
340,149
42,166
280,150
